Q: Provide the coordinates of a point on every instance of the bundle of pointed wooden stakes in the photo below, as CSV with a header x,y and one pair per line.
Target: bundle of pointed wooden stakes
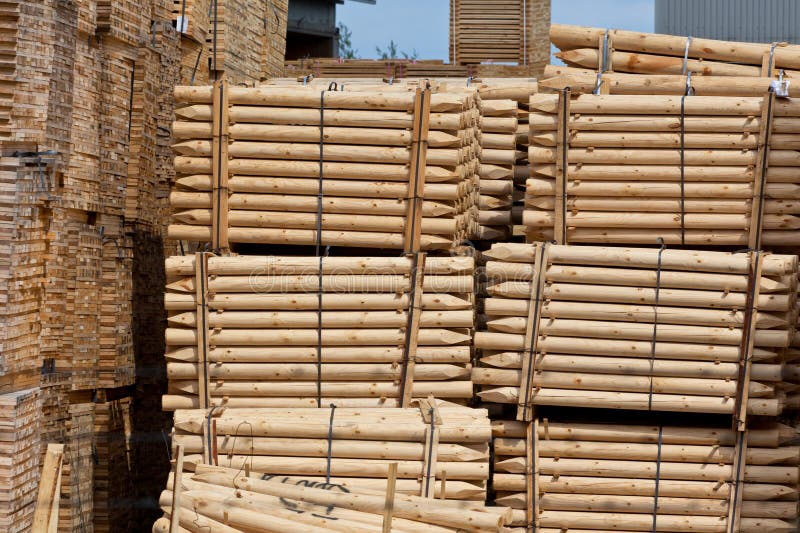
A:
x,y
368,161
694,170
642,329
283,331
635,477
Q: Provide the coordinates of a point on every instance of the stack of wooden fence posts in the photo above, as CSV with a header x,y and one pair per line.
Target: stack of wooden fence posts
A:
x,y
260,342
227,497
282,174
649,53
644,477
613,168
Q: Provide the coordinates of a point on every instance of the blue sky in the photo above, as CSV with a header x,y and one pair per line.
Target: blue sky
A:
x,y
423,24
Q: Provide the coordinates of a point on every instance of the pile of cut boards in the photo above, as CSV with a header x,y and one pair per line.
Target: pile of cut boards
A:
x,y
86,168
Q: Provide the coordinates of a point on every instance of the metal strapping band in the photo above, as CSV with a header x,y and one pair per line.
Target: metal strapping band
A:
x,y
683,169
318,246
658,478
429,454
604,56
771,58
686,56
654,339
566,95
330,445
598,84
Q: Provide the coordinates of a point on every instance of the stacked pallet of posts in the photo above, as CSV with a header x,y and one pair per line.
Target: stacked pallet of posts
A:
x,y
262,346
651,53
282,175
507,31
437,446
504,158
243,502
613,169
641,329
20,426
632,477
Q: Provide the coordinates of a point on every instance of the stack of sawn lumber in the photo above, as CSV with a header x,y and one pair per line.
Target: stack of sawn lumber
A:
x,y
302,331
633,477
225,499
694,170
284,167
436,445
641,329
20,427
651,53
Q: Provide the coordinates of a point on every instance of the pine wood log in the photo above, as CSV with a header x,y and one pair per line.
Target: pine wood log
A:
x,y
296,97
568,37
584,81
330,354
259,301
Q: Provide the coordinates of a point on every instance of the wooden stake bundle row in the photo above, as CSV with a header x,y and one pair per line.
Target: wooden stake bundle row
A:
x,y
437,447
272,331
328,154
598,476
643,329
224,499
651,53
631,168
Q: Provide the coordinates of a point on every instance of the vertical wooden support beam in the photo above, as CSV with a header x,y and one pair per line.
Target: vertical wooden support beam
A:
x,y
203,332
177,490
412,329
525,396
760,172
219,166
737,481
562,167
748,342
45,515
532,475
388,508
416,171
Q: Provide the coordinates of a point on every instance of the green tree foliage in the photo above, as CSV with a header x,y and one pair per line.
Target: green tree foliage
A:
x,y
393,52
346,50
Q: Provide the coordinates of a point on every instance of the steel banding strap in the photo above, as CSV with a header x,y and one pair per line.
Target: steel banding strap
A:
x,y
654,340
318,244
683,169
686,56
330,445
654,529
